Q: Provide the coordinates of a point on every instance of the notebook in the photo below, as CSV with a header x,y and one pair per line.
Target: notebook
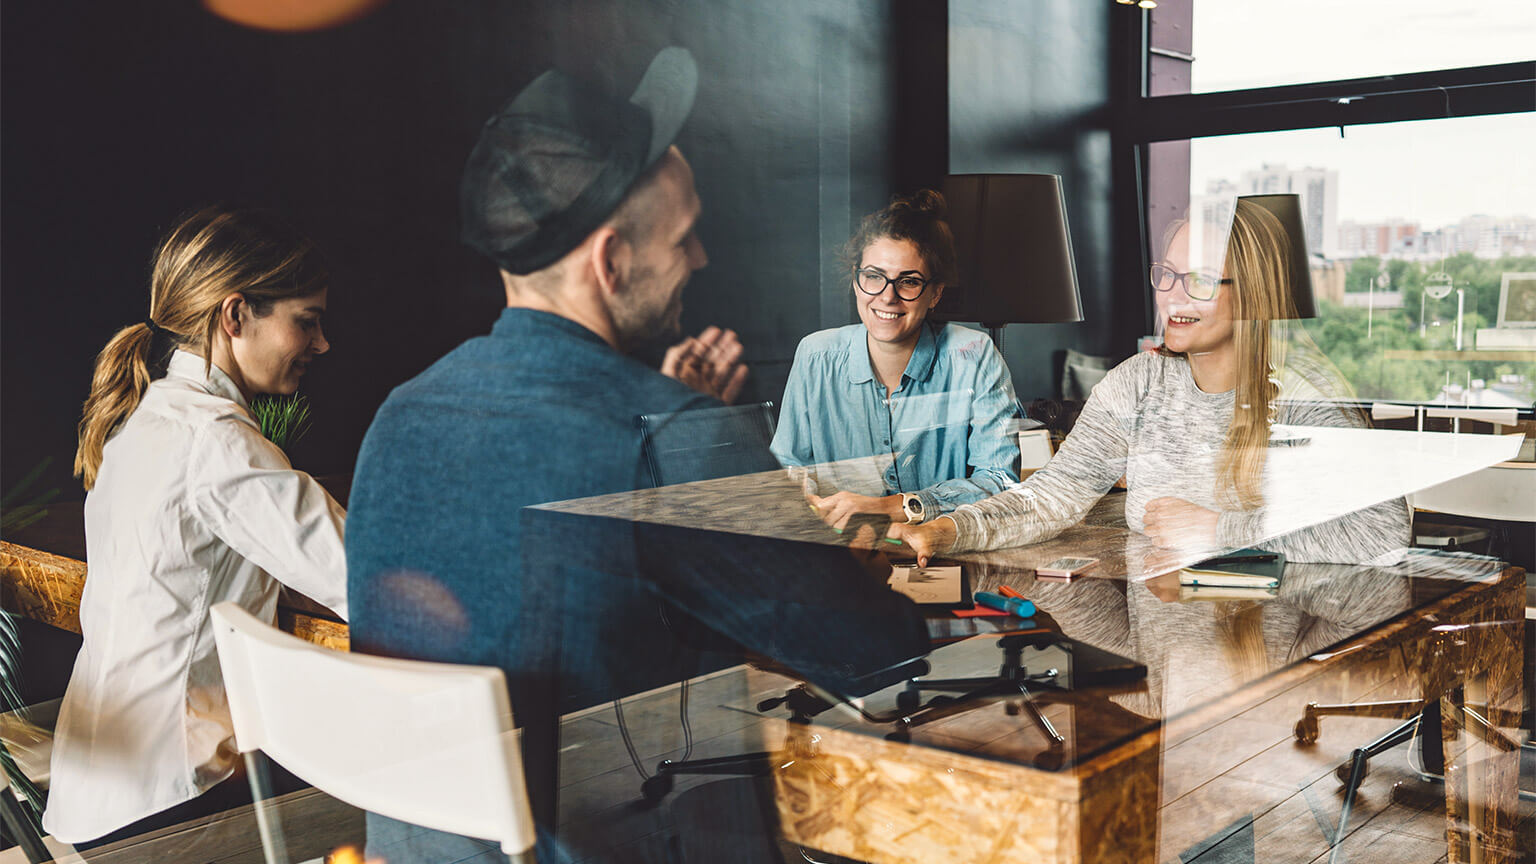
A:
x,y
1244,568
1223,592
929,586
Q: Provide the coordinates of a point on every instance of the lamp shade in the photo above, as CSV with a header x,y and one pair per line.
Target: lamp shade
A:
x,y
1287,208
1014,251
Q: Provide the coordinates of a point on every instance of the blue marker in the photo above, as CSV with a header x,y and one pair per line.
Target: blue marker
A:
x,y
1013,605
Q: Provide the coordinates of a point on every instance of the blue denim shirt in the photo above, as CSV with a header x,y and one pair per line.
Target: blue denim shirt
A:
x,y
947,426
445,563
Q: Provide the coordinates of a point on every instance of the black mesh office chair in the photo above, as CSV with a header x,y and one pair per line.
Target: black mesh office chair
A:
x,y
685,446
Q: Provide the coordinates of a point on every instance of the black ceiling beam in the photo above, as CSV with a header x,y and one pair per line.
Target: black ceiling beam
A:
x,y
1498,89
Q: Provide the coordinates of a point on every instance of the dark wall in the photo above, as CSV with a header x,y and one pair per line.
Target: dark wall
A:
x,y
119,116
1029,89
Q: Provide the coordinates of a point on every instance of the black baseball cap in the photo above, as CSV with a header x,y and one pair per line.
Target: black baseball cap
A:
x,y
558,158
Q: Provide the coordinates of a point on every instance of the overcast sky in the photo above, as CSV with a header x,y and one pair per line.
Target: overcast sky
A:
x,y
1433,172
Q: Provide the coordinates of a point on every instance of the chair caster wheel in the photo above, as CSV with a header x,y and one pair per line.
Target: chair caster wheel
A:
x,y
908,700
656,787
1306,730
1342,770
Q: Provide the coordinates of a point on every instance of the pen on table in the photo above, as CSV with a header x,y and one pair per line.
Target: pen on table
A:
x,y
1013,605
1009,592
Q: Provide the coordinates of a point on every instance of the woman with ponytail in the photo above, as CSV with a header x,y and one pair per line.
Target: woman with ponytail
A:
x,y
934,398
1189,426
188,506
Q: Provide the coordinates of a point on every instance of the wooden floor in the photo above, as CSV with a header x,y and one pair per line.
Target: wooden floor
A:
x,y
1397,819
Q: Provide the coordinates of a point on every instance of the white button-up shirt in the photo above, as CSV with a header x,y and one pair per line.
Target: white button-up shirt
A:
x,y
192,507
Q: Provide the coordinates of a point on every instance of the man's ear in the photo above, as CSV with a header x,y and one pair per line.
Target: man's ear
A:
x,y
610,259
232,313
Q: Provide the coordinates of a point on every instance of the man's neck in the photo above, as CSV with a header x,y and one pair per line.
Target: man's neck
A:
x,y
570,305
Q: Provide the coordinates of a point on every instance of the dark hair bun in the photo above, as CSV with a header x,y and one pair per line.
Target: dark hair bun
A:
x,y
919,219
927,202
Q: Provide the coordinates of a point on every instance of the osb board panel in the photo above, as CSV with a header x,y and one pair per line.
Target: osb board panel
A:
x,y
1483,767
875,800
321,631
1118,819
41,586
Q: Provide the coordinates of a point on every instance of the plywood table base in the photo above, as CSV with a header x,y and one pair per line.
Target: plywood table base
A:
x,y
867,798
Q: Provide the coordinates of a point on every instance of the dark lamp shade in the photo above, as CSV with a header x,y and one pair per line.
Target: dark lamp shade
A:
x,y
1287,208
1014,250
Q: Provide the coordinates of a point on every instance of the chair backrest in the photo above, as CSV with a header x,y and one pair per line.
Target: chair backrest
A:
x,y
427,743
703,444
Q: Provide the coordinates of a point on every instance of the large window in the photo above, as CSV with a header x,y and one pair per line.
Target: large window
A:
x,y
1414,227
1260,43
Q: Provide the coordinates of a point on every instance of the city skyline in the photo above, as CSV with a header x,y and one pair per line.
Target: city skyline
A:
x,y
1433,172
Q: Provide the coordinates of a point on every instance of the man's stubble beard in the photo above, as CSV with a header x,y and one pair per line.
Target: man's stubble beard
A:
x,y
640,330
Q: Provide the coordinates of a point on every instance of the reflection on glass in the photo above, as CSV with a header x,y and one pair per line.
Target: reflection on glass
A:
x,y
1412,229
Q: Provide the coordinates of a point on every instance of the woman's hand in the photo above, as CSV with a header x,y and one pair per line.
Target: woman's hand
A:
x,y
1174,523
709,363
928,539
836,509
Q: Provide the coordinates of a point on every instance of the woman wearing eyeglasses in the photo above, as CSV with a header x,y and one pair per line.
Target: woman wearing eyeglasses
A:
x,y
934,398
1189,425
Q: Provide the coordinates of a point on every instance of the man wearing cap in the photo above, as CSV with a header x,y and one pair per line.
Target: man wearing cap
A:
x,y
590,214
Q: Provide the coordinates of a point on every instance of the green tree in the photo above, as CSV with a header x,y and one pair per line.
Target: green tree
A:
x,y
1361,273
1341,332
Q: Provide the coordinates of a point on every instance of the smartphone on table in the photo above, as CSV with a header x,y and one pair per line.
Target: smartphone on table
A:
x,y
1066,568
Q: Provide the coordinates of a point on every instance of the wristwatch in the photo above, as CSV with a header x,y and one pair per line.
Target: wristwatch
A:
x,y
913,507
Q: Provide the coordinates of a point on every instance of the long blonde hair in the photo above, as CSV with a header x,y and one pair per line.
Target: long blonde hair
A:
x,y
210,254
1258,260
1259,263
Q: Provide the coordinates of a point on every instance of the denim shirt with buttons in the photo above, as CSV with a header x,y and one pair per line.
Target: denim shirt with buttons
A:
x,y
946,432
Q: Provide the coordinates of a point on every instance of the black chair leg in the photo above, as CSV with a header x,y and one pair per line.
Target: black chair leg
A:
x,y
19,826
1358,766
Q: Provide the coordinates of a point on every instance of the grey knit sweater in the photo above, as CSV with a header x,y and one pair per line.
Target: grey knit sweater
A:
x,y
1148,421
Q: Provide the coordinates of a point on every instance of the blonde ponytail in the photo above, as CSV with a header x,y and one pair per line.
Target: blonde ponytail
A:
x,y
122,375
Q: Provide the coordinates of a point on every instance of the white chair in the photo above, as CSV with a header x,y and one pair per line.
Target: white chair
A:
x,y
426,743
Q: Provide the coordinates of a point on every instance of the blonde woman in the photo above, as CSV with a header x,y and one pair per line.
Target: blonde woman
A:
x,y
188,506
1189,425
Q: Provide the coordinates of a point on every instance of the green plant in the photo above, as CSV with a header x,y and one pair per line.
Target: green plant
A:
x,y
33,800
21,506
283,419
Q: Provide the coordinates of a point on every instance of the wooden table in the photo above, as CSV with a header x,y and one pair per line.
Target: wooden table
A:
x,y
1151,771
43,572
